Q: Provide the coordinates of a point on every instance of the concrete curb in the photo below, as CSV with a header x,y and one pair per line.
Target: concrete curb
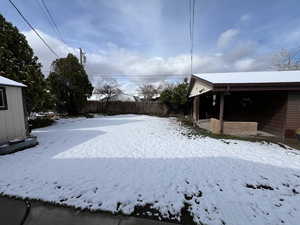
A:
x,y
15,212
41,214
12,211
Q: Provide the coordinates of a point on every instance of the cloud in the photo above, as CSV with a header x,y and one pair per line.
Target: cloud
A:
x,y
132,68
44,54
293,36
226,37
242,49
244,64
245,17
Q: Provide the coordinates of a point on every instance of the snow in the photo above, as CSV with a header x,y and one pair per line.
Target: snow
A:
x,y
8,82
251,77
114,163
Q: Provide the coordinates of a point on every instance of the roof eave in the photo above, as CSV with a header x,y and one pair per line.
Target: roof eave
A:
x,y
257,86
12,85
202,80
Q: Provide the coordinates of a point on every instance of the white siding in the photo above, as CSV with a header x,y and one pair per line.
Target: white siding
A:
x,y
199,88
12,121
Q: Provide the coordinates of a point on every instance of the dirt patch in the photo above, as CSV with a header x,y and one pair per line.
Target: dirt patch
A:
x,y
260,186
148,211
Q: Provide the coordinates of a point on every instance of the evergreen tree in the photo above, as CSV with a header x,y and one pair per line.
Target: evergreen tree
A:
x,y
17,62
176,97
70,84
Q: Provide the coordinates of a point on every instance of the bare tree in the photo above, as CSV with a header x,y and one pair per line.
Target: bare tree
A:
x,y
107,89
148,91
287,60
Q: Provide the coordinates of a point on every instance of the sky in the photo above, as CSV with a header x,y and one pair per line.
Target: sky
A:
x,y
133,39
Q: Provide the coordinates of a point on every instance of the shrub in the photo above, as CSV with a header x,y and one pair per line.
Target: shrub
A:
x,y
175,97
40,122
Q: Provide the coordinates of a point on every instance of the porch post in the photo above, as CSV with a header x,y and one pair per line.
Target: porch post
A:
x,y
221,112
196,108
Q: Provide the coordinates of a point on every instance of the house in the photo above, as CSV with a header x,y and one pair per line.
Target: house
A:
x,y
121,97
154,98
244,103
13,135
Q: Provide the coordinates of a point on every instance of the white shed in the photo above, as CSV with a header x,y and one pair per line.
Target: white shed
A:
x,y
12,114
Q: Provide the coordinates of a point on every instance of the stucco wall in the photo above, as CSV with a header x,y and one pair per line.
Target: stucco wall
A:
x,y
12,123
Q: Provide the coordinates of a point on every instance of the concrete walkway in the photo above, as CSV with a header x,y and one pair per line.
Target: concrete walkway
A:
x,y
19,212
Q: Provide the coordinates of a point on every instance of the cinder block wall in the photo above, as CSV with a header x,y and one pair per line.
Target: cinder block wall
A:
x,y
234,128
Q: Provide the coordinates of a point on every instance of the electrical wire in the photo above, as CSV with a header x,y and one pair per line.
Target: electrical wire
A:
x,y
34,30
52,20
192,4
148,77
46,15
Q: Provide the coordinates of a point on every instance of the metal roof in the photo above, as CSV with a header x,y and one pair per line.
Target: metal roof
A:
x,y
251,77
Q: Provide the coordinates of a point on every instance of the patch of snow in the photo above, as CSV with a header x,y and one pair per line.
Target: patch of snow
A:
x,y
117,162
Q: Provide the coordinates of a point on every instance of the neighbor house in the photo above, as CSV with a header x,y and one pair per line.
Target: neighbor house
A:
x,y
121,97
245,103
12,117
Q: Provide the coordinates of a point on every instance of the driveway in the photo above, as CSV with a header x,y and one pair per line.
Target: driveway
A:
x,y
146,166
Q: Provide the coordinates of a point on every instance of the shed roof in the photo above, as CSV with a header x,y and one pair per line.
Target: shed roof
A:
x,y
7,82
251,77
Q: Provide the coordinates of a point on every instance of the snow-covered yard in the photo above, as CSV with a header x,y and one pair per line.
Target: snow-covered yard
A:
x,y
115,163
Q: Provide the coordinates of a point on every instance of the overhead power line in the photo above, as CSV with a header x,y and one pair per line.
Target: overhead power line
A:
x,y
52,20
34,30
192,25
46,15
128,75
139,76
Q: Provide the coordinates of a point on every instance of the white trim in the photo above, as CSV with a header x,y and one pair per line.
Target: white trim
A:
x,y
2,96
199,88
7,82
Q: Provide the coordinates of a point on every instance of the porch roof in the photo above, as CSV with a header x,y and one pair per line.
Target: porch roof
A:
x,y
247,81
251,77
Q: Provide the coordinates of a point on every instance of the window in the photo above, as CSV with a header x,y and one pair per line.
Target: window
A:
x,y
3,102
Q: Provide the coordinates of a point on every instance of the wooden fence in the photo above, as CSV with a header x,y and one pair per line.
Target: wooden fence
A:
x,y
150,108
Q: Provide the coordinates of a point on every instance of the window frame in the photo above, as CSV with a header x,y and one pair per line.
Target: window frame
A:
x,y
3,95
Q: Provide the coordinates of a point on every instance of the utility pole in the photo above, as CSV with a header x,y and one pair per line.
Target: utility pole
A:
x,y
80,55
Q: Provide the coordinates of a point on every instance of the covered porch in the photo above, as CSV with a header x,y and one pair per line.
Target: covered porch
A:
x,y
245,103
241,113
